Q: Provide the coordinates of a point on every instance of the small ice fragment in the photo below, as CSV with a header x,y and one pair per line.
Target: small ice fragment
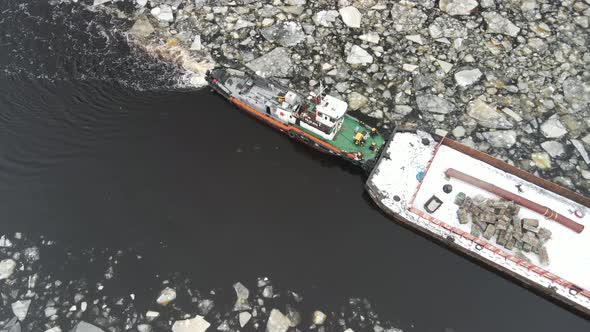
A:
x,y
167,295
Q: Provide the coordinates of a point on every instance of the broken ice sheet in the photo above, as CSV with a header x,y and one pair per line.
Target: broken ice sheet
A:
x,y
242,294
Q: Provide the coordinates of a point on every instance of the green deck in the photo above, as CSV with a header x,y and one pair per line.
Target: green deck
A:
x,y
344,139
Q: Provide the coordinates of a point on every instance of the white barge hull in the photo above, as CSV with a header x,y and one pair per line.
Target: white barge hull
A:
x,y
411,170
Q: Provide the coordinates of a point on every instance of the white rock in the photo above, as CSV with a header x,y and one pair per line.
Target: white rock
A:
x,y
580,147
244,318
553,128
7,267
163,13
141,3
445,66
277,322
197,324
370,37
100,2
409,67
467,77
196,45
83,306
349,330
554,148
167,295
358,56
318,317
586,139
498,24
415,38
351,16
21,308
458,7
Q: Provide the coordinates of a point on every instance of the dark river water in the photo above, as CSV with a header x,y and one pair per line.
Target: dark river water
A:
x,y
101,147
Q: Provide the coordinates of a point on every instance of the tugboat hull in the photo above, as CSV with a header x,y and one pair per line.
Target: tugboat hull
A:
x,y
255,96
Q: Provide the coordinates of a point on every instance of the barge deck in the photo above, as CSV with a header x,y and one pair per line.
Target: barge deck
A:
x,y
411,170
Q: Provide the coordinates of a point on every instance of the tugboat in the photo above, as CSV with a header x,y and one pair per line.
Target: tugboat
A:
x,y
317,120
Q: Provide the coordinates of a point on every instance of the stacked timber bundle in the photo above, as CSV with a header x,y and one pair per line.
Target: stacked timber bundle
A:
x,y
498,219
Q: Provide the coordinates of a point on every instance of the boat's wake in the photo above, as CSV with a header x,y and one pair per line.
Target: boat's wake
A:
x,y
62,40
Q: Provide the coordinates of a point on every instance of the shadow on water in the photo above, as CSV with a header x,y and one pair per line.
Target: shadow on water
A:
x,y
99,161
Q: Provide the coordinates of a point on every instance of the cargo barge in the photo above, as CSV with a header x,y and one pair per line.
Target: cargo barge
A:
x,y
481,207
506,219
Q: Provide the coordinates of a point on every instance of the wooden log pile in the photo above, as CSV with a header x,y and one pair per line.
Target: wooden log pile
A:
x,y
497,219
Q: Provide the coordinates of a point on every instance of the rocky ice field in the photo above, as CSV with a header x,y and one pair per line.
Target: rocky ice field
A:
x,y
510,78
34,299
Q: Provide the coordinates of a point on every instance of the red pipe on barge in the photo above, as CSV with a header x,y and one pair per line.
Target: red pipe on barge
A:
x,y
545,211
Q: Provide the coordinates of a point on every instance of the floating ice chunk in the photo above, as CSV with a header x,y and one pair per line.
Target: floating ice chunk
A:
x,y
31,254
197,324
85,327
293,315
357,55
54,329
468,77
580,147
7,267
242,294
351,16
50,311
21,308
267,292
167,295
318,317
205,306
151,315
196,45
5,242
144,328
244,318
277,322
